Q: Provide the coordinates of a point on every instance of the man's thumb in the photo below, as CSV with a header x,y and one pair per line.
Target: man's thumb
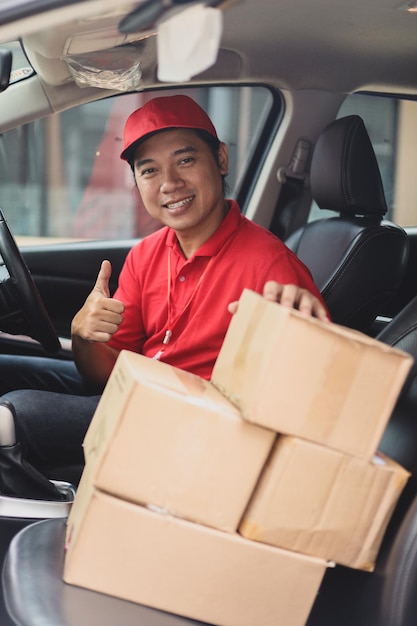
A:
x,y
102,282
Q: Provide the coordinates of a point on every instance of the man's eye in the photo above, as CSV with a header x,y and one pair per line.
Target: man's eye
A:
x,y
187,160
147,172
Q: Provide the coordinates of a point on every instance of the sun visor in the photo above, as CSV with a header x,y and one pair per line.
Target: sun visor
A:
x,y
188,43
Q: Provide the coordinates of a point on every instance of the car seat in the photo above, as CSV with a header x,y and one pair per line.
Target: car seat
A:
x,y
387,596
357,259
398,560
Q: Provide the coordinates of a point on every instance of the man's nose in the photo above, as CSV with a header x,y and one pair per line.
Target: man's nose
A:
x,y
170,180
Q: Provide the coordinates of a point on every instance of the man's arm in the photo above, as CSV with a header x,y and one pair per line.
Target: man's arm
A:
x,y
93,326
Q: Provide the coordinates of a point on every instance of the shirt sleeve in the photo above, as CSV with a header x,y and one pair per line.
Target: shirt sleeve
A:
x,y
286,268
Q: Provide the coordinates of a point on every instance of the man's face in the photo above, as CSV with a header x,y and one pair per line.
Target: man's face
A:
x,y
180,181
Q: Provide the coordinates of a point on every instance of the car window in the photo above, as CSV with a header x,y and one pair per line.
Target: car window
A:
x,y
392,127
61,176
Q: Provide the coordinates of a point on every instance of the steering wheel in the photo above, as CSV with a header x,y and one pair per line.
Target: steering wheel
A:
x,y
22,311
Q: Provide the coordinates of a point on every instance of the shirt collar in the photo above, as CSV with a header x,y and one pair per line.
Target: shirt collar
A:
x,y
212,246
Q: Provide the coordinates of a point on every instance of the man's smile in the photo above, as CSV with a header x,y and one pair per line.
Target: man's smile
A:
x,y
179,204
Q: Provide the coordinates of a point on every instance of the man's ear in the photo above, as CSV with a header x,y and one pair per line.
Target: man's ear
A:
x,y
223,158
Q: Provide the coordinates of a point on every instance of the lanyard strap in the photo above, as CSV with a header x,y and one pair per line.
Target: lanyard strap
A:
x,y
170,322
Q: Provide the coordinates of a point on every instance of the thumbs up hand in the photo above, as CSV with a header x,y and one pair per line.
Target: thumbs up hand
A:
x,y
101,315
103,279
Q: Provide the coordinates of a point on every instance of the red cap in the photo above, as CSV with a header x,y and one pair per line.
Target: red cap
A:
x,y
163,113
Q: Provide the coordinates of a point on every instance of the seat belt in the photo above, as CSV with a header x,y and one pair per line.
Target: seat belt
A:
x,y
293,178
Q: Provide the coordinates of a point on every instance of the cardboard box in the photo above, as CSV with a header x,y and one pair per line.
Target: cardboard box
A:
x,y
167,438
124,550
302,377
321,502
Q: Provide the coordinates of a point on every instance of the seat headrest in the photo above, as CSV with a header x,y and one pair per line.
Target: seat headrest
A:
x,y
344,174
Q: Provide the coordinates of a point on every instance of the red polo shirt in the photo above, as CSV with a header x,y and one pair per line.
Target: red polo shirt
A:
x,y
240,254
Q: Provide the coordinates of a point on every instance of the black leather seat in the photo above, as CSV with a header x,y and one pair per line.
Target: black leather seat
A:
x,y
36,594
398,598
357,259
387,597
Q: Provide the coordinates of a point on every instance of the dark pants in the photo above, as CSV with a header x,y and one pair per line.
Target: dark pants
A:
x,y
53,406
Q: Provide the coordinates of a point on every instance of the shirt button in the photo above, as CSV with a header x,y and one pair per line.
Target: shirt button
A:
x,y
181,279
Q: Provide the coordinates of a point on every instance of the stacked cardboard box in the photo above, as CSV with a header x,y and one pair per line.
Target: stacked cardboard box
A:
x,y
159,560
321,502
170,468
213,500
329,392
166,438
